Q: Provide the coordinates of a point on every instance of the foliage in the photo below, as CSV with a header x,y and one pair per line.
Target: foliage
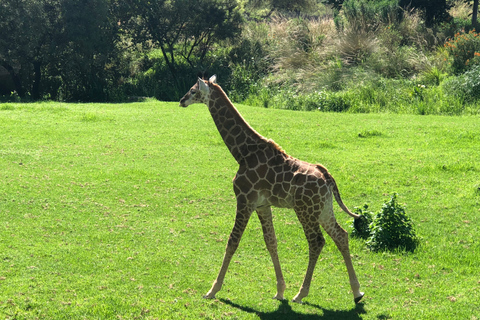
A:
x,y
182,37
361,227
466,86
27,33
435,11
102,50
365,95
464,49
368,15
61,49
391,229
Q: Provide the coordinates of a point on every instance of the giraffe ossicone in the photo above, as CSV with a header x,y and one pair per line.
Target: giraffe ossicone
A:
x,y
267,177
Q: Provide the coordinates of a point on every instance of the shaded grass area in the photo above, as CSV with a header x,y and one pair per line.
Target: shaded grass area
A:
x,y
122,211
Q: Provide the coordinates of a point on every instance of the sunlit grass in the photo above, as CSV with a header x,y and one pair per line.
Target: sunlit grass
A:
x,y
127,215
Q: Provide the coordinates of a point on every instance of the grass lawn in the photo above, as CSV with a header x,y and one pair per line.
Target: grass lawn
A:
x,y
122,211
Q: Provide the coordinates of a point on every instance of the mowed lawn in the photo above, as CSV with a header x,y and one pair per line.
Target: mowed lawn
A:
x,y
123,211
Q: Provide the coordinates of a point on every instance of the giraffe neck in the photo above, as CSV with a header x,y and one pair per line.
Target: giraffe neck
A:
x,y
235,131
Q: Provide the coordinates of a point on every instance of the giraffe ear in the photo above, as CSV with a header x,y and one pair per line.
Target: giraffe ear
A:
x,y
213,79
202,85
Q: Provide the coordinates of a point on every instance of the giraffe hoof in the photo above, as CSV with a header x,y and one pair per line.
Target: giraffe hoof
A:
x,y
299,301
357,299
209,296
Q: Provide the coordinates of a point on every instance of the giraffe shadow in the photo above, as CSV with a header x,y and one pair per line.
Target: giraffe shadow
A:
x,y
285,312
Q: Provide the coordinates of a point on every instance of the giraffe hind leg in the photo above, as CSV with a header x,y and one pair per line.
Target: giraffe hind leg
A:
x,y
340,237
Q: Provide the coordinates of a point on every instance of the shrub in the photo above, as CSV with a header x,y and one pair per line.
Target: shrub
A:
x,y
362,226
354,46
464,50
392,229
433,76
466,86
368,15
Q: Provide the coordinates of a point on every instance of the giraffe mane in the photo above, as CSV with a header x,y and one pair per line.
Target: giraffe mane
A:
x,y
269,142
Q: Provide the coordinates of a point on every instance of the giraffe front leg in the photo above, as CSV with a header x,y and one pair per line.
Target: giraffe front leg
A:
x,y
265,216
241,221
316,241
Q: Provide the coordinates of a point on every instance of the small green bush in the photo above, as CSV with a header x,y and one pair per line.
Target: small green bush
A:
x,y
362,225
392,229
389,230
464,49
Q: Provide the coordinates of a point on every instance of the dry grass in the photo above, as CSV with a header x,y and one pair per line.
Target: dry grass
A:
x,y
307,55
461,10
313,54
301,47
355,45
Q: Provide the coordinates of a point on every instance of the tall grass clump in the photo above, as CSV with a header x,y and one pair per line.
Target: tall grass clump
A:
x,y
301,49
465,87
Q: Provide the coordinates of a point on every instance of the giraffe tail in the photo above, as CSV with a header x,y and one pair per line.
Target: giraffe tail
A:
x,y
336,193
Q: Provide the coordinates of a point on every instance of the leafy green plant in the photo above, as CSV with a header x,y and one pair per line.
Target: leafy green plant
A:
x,y
418,92
464,49
392,229
362,226
433,76
465,86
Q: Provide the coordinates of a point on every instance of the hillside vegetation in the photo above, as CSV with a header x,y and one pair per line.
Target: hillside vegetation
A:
x,y
366,59
336,55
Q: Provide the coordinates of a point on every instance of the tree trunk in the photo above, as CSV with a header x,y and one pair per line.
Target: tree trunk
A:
x,y
170,64
15,78
36,82
475,13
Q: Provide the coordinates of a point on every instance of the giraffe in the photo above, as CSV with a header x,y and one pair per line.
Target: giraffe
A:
x,y
268,177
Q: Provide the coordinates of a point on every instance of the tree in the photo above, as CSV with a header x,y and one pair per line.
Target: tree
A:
x,y
475,12
85,47
57,45
435,10
25,35
182,29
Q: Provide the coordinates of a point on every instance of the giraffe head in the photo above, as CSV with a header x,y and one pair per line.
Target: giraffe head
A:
x,y
199,93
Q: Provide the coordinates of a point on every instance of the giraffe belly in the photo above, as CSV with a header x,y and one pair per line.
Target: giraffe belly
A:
x,y
278,199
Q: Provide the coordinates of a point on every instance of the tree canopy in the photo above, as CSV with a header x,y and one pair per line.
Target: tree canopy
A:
x,y
104,50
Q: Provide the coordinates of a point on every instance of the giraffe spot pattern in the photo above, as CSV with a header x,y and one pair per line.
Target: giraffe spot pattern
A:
x,y
267,177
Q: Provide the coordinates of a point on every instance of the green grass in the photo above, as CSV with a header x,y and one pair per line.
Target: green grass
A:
x,y
122,211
